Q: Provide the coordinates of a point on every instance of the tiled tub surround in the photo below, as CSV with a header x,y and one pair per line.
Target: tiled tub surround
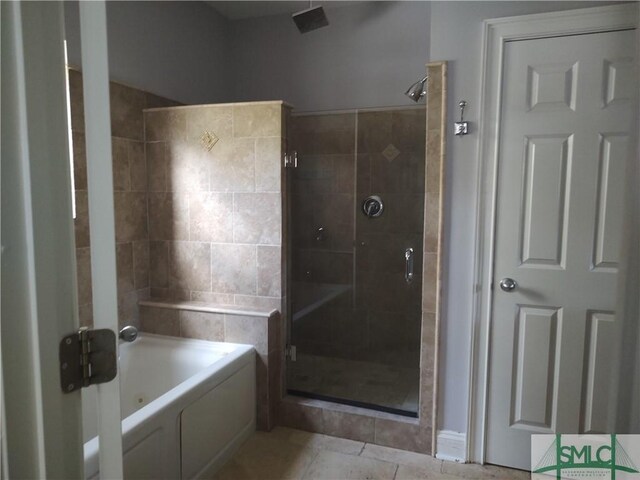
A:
x,y
258,327
362,424
216,230
130,196
215,203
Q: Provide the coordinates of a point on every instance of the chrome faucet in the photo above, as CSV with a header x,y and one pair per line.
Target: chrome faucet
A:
x,y
129,333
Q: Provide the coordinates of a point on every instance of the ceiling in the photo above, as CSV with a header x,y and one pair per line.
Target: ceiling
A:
x,y
247,9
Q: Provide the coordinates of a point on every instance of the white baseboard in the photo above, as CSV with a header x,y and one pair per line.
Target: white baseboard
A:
x,y
451,446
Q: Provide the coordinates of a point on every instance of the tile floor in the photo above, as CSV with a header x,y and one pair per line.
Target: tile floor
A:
x,y
286,454
367,382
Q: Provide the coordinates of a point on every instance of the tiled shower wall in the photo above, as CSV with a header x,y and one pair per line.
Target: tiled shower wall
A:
x,y
343,158
215,203
391,164
130,196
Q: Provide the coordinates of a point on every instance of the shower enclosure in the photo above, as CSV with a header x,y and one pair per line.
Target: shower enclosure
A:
x,y
356,233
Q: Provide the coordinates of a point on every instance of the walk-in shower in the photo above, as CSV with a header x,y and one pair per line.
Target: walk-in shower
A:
x,y
356,222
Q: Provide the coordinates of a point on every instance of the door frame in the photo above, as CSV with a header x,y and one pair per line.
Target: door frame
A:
x,y
496,32
41,426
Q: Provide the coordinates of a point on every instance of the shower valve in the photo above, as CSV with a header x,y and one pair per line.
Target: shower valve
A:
x,y
373,206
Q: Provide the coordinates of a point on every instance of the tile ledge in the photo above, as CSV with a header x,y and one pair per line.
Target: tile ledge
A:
x,y
228,104
208,308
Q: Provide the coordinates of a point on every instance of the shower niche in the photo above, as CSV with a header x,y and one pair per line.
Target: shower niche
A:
x,y
357,206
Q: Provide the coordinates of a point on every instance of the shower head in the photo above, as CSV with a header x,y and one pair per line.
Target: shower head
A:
x,y
310,19
417,90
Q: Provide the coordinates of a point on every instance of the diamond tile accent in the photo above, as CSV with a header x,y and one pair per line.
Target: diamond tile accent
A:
x,y
208,140
391,152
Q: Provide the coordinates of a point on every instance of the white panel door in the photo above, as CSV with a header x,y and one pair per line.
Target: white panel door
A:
x,y
566,121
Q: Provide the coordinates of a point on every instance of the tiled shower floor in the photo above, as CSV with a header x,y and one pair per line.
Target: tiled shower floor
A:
x,y
367,382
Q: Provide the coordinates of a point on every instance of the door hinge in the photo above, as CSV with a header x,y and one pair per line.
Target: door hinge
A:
x,y
290,352
87,357
291,160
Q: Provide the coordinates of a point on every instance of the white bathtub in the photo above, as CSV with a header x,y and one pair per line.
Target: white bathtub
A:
x,y
186,406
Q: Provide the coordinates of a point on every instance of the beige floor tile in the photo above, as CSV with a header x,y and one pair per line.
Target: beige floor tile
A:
x,y
234,471
289,454
267,441
325,442
403,457
482,472
336,466
268,457
408,472
282,434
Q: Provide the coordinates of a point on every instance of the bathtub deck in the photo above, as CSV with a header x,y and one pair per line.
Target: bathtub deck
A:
x,y
294,454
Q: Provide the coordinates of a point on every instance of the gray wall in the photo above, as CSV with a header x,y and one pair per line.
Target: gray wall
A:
x,y
456,35
367,56
179,50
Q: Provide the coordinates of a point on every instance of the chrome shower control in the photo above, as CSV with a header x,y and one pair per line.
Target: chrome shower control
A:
x,y
408,258
372,206
508,284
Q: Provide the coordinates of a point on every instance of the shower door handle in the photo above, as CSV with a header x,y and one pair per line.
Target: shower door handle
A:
x,y
408,259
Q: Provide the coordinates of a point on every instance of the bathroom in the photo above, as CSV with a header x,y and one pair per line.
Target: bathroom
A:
x,y
296,205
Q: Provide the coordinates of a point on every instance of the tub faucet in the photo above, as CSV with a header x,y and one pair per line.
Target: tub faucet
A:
x,y
129,333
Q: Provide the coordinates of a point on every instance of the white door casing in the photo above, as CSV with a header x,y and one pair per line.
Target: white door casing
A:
x,y
563,147
95,83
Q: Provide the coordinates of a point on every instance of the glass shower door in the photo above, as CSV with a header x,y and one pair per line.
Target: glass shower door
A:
x,y
356,221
